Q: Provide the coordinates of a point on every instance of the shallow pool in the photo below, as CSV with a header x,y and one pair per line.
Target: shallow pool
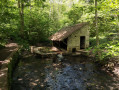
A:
x,y
74,73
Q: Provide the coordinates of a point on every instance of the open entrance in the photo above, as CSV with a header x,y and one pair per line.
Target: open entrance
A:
x,y
61,44
73,50
82,42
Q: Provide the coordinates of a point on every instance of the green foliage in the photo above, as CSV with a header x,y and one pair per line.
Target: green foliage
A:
x,y
107,48
42,18
37,26
75,14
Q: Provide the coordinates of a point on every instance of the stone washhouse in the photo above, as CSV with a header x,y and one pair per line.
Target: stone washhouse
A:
x,y
72,38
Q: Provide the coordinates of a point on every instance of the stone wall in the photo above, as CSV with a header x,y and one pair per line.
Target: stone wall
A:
x,y
11,67
7,70
74,39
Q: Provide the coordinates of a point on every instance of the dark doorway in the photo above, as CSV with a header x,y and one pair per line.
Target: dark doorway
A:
x,y
61,44
73,49
82,42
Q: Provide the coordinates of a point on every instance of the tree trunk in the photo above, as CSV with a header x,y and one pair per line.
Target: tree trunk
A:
x,y
21,13
117,21
58,10
96,25
50,8
97,31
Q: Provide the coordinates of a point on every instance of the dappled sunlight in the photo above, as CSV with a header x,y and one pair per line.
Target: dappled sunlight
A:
x,y
2,74
33,84
4,53
75,72
59,35
116,71
54,49
4,69
71,25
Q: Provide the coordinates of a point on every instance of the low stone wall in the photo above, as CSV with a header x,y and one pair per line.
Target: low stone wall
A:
x,y
7,69
11,67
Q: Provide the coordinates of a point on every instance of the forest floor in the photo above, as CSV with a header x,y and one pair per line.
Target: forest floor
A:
x,y
5,52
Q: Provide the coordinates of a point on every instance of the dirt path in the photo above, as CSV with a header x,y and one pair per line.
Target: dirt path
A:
x,y
4,53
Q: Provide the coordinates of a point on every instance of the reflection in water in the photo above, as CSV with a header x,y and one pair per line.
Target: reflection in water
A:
x,y
73,74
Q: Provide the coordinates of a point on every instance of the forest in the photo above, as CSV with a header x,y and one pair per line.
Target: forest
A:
x,y
31,22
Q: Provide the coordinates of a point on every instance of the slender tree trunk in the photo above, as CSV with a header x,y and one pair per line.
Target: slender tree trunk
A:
x,y
97,31
96,25
21,13
58,11
53,5
22,17
50,8
117,21
30,7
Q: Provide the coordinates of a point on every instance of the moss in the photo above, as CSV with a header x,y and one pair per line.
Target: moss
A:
x,y
11,67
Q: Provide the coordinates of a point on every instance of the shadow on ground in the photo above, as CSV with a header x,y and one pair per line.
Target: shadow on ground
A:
x,y
73,74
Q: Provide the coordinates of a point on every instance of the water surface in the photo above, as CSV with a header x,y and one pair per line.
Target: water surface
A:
x,y
75,73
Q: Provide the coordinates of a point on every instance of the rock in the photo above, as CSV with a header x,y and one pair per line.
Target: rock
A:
x,y
60,57
54,49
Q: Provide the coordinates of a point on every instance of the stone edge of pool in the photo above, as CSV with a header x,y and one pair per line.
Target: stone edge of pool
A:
x,y
4,71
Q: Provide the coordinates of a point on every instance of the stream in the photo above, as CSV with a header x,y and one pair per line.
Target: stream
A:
x,y
74,73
